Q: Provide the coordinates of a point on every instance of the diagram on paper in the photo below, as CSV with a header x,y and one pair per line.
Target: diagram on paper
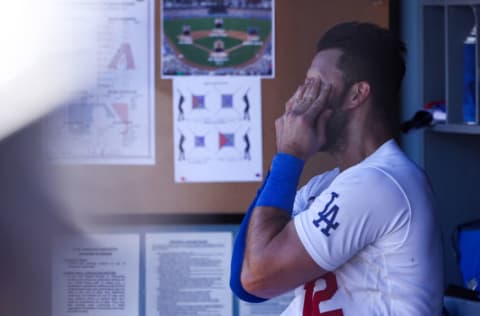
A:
x,y
111,122
217,129
99,126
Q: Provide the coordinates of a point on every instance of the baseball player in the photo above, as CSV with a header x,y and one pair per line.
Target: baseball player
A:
x,y
360,239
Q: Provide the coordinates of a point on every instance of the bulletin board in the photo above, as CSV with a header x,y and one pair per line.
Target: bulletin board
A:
x,y
151,189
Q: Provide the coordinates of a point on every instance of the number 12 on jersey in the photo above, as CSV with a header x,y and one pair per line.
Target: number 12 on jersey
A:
x,y
311,305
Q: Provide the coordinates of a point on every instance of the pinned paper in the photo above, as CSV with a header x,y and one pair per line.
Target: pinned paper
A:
x,y
217,129
210,40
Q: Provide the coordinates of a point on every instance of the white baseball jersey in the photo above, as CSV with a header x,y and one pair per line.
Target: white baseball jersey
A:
x,y
373,227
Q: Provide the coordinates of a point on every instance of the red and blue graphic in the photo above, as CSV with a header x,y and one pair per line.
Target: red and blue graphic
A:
x,y
227,101
122,111
124,53
198,101
226,140
80,117
199,141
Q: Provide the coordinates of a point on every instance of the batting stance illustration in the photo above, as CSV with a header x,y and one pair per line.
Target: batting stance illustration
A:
x,y
246,154
181,114
181,142
246,110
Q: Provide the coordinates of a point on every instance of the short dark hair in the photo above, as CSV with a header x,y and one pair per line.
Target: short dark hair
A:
x,y
373,54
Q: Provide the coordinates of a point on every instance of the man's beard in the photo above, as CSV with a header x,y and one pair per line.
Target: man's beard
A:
x,y
335,130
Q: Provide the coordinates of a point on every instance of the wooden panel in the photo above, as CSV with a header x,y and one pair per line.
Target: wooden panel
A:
x,y
104,190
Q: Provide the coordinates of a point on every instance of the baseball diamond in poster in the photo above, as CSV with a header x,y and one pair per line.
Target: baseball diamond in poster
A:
x,y
218,38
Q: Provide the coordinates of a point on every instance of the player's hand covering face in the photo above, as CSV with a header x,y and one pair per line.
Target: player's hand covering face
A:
x,y
301,129
315,118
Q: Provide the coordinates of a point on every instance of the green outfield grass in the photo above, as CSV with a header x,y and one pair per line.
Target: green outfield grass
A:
x,y
195,55
173,28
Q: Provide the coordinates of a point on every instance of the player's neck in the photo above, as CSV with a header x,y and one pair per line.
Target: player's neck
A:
x,y
361,140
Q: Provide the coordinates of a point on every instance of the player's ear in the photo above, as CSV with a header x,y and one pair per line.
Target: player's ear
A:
x,y
359,93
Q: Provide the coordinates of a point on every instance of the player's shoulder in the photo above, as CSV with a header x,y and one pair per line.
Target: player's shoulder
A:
x,y
323,178
387,168
367,177
371,187
320,182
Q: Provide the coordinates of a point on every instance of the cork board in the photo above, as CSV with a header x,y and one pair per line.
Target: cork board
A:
x,y
130,190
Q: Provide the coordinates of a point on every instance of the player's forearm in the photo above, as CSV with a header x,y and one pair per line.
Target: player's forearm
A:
x,y
260,273
262,262
238,256
278,193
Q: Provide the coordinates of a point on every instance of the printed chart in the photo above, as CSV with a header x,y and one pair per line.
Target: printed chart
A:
x,y
111,122
217,129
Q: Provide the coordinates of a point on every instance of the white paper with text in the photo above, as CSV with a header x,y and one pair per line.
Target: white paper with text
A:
x,y
96,275
187,274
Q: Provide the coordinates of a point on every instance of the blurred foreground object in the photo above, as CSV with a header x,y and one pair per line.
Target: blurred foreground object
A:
x,y
39,71
38,60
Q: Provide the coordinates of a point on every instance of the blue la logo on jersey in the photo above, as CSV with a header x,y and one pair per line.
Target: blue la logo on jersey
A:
x,y
326,218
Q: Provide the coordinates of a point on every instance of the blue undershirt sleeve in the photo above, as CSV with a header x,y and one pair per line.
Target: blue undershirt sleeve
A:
x,y
238,252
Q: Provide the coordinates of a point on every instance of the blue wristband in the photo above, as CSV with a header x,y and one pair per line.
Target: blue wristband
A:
x,y
281,185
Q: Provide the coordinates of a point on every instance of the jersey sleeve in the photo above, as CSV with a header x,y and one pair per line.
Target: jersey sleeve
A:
x,y
313,188
301,199
359,208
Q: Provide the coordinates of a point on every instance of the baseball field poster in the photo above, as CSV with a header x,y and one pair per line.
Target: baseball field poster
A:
x,y
220,37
